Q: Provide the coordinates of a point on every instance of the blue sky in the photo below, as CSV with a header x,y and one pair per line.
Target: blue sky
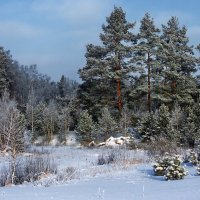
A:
x,y
53,33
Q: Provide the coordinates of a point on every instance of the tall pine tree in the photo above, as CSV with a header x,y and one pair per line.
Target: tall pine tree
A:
x,y
146,51
107,65
178,63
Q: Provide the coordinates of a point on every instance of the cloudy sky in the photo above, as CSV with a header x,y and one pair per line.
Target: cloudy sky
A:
x,y
53,33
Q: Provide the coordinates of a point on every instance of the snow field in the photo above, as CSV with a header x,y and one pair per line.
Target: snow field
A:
x,y
129,177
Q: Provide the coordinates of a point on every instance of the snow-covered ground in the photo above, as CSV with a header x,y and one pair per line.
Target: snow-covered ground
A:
x,y
122,180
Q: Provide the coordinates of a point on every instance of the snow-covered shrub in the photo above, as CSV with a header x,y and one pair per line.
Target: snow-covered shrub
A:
x,y
161,165
198,169
170,167
175,171
193,158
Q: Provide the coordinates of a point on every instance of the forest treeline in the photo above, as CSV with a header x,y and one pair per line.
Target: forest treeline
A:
x,y
146,79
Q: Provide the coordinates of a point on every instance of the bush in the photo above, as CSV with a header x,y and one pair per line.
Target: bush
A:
x,y
170,167
175,171
161,165
37,166
198,169
30,169
159,147
193,159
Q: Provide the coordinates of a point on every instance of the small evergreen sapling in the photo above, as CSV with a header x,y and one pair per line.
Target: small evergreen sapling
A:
x,y
193,158
198,168
147,127
107,124
169,167
85,126
175,171
161,165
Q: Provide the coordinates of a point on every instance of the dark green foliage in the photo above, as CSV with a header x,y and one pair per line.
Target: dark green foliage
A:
x,y
190,131
106,124
178,63
38,120
157,125
66,91
5,63
147,127
163,122
145,54
150,74
107,66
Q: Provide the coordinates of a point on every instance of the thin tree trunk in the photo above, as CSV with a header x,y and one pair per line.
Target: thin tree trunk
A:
x,y
173,86
149,85
13,166
119,97
32,128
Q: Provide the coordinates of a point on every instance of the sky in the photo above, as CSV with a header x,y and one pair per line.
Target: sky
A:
x,y
53,34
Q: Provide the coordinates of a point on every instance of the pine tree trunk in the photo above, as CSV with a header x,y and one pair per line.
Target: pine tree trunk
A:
x,y
119,97
173,86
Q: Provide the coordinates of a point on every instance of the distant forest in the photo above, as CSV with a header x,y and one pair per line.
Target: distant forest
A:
x,y
147,81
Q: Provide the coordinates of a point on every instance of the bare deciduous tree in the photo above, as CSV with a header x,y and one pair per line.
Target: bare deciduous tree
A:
x,y
11,130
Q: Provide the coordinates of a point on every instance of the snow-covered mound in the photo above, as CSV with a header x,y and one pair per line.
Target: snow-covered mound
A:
x,y
113,142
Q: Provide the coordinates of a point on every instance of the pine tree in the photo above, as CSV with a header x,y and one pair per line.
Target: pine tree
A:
x,y
107,65
5,63
85,126
146,51
147,127
190,131
38,119
115,34
163,122
106,124
95,92
178,63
